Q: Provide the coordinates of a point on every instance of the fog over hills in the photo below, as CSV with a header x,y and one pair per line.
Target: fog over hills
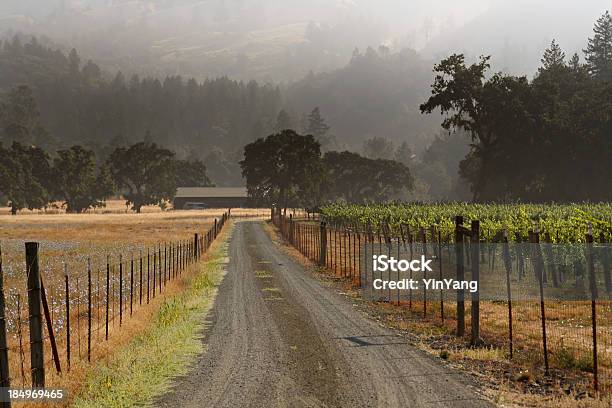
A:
x,y
367,64
517,32
279,40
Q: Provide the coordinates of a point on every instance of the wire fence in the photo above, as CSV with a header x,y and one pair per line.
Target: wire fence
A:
x,y
47,324
542,306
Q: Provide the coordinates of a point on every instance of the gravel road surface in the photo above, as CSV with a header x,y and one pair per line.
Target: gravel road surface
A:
x,y
277,337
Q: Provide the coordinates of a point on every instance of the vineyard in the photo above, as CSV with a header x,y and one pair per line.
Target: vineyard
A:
x,y
564,223
543,314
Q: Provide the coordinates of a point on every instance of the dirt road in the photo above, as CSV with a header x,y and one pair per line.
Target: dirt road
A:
x,y
278,338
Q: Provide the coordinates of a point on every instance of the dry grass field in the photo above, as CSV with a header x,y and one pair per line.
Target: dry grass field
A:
x,y
67,242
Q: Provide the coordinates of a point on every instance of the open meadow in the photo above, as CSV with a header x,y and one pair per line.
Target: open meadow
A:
x,y
108,267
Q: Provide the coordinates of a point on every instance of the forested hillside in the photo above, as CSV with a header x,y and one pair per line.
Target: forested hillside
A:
x,y
376,94
530,135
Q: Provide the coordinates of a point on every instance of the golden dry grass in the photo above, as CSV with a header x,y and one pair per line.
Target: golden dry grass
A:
x,y
69,239
118,206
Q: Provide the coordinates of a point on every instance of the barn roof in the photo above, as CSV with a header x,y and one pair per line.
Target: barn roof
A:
x,y
208,192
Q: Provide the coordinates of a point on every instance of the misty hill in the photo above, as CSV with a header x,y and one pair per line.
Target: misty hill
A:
x,y
516,33
282,40
376,94
276,41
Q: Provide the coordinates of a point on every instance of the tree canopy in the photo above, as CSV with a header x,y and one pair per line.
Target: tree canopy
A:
x,y
356,179
282,168
599,48
79,182
145,172
24,176
540,140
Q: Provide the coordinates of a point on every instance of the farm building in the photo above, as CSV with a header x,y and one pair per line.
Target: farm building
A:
x,y
210,197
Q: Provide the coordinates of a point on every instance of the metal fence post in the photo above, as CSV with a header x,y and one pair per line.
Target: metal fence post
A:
x,y
107,294
535,242
593,287
89,309
34,302
131,283
508,267
67,300
120,290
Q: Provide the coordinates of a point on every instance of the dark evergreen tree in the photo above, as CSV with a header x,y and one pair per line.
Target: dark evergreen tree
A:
x,y
283,121
553,58
317,125
20,119
598,52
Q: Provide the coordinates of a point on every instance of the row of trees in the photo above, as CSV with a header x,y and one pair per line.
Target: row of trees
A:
x,y
143,173
81,103
546,139
288,169
75,102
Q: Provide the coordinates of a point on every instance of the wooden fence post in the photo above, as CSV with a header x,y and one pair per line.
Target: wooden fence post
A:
x,y
475,247
34,302
460,275
323,240
424,241
551,258
196,247
605,262
5,379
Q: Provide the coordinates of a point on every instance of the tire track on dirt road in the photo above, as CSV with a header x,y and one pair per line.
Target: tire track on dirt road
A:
x,y
277,337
